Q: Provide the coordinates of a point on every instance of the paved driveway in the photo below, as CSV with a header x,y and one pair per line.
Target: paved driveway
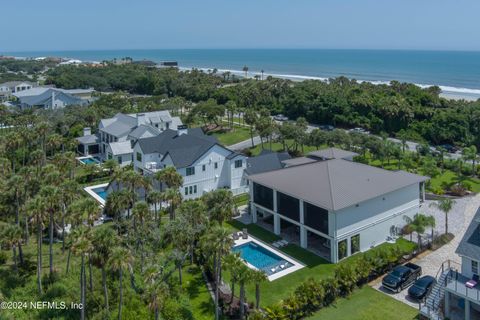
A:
x,y
459,220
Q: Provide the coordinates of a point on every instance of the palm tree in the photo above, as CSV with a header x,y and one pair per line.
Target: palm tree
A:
x,y
52,198
12,238
69,191
244,277
170,177
220,204
258,276
245,69
120,260
157,293
262,72
116,204
444,205
418,225
155,197
37,209
104,240
174,198
140,212
82,246
232,262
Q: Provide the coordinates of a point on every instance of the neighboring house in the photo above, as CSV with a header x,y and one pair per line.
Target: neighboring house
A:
x,y
117,135
266,161
47,98
334,207
204,164
11,87
458,286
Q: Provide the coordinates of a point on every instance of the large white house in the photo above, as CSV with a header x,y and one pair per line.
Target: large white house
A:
x,y
117,135
333,206
11,87
458,285
204,164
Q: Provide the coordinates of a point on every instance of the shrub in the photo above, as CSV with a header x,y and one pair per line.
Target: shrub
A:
x,y
3,257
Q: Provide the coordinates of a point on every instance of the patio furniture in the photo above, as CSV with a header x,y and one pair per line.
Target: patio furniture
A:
x,y
235,236
471,284
245,234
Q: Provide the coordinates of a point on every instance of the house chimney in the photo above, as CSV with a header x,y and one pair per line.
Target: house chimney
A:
x,y
87,131
141,119
182,129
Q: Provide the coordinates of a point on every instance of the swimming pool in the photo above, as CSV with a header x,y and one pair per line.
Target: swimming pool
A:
x,y
89,160
101,191
261,258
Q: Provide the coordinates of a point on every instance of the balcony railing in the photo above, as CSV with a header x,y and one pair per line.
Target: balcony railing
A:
x,y
456,282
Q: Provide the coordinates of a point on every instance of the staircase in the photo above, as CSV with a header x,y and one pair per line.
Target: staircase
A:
x,y
431,308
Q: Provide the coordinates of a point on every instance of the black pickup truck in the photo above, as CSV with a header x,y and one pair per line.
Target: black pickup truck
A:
x,y
401,277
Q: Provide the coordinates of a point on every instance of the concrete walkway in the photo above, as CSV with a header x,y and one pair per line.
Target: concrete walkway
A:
x,y
459,220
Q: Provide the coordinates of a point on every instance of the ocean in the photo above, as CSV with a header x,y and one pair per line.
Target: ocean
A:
x,y
456,72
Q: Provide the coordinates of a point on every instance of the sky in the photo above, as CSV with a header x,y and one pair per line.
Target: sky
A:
x,y
47,25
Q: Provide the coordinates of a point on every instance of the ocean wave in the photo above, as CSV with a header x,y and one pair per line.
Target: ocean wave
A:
x,y
445,89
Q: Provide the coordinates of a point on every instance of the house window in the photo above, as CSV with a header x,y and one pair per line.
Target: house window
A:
x,y
474,267
190,189
186,191
204,167
190,171
355,243
109,155
238,163
119,159
195,189
139,156
342,249
216,165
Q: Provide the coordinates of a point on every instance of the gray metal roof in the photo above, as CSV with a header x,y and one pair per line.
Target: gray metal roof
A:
x,y
266,161
298,161
336,184
470,244
332,153
122,147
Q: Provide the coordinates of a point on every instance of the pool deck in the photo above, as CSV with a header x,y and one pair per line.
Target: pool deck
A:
x,y
296,265
90,191
87,157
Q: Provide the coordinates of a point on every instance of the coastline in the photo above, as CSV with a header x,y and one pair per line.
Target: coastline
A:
x,y
450,93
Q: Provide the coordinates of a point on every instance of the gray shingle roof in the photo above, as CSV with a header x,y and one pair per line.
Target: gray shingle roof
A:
x,y
332,153
46,96
336,184
183,149
144,131
90,139
470,244
266,161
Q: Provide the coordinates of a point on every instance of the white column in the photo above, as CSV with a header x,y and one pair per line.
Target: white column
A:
x,y
253,209
467,309
303,237
447,304
302,213
423,191
275,209
276,224
333,251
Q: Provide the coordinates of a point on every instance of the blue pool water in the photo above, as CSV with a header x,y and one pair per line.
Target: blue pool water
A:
x,y
102,192
89,161
261,258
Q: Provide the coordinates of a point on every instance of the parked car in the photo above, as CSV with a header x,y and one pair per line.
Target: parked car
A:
x,y
280,117
421,287
401,277
326,127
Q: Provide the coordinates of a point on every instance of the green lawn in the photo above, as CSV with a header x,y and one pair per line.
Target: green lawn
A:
x,y
276,146
241,199
367,304
228,137
315,266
